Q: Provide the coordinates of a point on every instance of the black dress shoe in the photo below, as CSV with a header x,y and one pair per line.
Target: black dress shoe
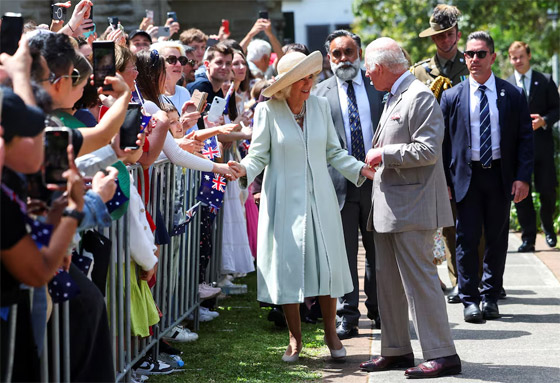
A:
x,y
346,331
276,315
490,310
382,363
526,247
376,320
550,239
503,294
449,365
453,296
472,313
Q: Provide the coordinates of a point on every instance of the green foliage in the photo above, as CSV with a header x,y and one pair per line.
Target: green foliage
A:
x,y
242,346
505,20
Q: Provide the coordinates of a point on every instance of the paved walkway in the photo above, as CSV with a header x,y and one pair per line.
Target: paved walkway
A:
x,y
521,347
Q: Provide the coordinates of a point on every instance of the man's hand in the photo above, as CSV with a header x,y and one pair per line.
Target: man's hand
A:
x,y
538,121
519,190
374,157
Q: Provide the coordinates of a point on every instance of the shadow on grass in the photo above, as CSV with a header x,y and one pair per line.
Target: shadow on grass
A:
x,y
242,346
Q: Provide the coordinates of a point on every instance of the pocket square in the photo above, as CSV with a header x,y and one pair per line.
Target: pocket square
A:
x,y
395,117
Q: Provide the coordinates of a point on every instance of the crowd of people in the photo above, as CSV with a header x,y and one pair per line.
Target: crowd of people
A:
x,y
422,159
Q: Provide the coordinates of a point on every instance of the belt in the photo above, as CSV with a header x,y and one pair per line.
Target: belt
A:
x,y
478,164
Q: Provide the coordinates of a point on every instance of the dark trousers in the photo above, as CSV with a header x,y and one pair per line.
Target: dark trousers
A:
x,y
528,217
354,216
484,206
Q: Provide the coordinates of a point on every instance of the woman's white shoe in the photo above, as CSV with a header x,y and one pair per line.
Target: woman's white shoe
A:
x,y
338,355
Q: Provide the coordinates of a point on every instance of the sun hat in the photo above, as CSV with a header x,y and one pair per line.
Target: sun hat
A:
x,y
293,67
443,19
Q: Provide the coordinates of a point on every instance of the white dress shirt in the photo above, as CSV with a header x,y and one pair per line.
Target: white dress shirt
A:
x,y
492,96
528,77
363,110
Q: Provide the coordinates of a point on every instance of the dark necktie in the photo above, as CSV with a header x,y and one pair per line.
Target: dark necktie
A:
x,y
356,136
446,69
485,136
524,87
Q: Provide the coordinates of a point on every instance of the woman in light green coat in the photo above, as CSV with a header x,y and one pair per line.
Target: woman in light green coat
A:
x,y
300,251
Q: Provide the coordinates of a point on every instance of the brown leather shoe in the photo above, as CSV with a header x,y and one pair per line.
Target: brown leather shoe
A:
x,y
382,363
448,365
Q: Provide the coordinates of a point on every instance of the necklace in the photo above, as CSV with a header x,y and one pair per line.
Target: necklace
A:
x,y
299,117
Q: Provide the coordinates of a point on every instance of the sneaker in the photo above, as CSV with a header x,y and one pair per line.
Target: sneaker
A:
x,y
181,334
137,378
208,292
207,311
202,317
151,367
225,281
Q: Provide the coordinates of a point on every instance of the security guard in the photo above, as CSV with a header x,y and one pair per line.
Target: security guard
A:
x,y
448,62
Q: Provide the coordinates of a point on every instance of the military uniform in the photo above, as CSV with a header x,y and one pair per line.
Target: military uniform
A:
x,y
427,70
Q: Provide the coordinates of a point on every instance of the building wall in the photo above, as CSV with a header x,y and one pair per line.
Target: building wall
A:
x,y
315,19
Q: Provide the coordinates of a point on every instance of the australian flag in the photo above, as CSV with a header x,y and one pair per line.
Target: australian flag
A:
x,y
212,189
244,147
211,149
181,227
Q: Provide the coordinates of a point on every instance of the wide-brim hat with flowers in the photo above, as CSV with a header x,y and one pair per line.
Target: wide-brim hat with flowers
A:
x,y
293,67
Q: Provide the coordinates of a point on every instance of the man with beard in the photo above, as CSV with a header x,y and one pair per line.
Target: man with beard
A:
x,y
355,107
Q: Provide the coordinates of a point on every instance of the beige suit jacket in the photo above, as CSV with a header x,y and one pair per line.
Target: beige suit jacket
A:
x,y
409,188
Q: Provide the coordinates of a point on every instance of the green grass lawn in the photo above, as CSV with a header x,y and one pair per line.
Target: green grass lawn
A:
x,y
242,346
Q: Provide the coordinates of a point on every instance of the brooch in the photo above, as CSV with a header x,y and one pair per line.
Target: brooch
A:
x,y
502,93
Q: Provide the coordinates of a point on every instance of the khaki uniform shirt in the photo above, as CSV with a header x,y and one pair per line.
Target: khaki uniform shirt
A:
x,y
427,70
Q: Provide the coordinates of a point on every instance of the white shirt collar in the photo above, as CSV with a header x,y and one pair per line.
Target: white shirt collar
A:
x,y
528,75
490,83
399,81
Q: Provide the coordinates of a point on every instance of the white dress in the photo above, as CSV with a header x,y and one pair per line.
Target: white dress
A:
x,y
236,253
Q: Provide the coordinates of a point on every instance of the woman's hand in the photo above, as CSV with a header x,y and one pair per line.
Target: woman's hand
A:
x,y
237,169
104,184
368,172
189,144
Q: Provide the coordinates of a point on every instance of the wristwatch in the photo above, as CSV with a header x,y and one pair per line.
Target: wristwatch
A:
x,y
77,215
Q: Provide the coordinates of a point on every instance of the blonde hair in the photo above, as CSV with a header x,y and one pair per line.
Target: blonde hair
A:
x,y
161,45
284,93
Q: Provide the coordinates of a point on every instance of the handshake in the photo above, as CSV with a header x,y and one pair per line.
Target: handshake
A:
x,y
373,158
232,170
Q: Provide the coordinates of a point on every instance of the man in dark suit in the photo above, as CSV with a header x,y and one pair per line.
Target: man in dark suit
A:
x,y
488,153
355,107
544,106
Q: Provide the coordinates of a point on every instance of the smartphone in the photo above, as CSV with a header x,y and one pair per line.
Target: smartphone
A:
x,y
103,62
163,31
172,15
150,14
58,12
10,32
113,21
225,24
216,109
131,127
56,157
91,17
36,189
263,15
199,99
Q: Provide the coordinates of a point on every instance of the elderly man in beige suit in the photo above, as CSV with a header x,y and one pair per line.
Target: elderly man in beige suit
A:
x,y
410,201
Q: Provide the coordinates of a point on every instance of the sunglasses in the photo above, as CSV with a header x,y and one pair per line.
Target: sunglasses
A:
x,y
172,60
479,54
75,76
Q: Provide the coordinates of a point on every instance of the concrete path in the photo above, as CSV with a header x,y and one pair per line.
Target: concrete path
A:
x,y
521,347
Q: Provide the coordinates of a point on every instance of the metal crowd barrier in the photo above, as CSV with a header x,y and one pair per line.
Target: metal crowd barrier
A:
x,y
175,291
